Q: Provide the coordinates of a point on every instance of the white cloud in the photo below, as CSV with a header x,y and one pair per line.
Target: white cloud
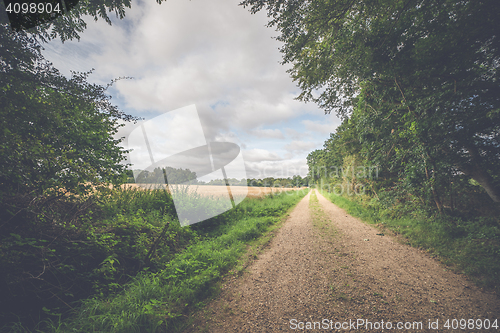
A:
x,y
300,146
268,133
283,169
323,127
215,55
296,135
256,155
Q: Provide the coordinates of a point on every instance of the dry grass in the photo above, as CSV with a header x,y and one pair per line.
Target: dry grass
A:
x,y
213,190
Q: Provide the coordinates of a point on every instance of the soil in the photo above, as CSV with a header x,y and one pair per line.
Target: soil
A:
x,y
326,270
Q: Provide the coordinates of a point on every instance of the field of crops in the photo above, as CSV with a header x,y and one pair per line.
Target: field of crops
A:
x,y
213,190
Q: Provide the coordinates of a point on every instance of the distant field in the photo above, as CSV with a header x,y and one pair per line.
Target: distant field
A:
x,y
215,190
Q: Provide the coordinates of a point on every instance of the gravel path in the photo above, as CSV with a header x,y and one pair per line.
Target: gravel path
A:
x,y
325,269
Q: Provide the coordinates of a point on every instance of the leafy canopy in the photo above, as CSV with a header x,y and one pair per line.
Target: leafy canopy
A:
x,y
55,132
421,76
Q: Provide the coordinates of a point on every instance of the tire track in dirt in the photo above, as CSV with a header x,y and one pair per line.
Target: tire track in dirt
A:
x,y
411,285
329,265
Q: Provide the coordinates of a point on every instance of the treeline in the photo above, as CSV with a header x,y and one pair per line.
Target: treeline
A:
x,y
400,181
171,175
295,181
167,175
416,84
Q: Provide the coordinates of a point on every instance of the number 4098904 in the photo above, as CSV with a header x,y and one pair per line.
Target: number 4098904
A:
x,y
32,8
478,324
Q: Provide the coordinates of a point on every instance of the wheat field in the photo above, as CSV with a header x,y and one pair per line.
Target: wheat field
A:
x,y
214,190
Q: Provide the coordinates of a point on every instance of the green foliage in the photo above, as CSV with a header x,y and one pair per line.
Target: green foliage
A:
x,y
167,175
55,261
71,24
56,147
125,252
56,134
417,79
295,181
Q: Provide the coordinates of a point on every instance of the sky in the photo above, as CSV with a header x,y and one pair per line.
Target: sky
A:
x,y
213,55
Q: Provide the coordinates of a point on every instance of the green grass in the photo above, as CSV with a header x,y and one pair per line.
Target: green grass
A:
x,y
468,246
320,220
162,300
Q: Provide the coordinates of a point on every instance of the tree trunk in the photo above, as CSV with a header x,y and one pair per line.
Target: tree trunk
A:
x,y
484,179
480,175
435,194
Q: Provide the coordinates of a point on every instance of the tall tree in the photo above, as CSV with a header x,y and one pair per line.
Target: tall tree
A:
x,y
70,24
429,67
54,132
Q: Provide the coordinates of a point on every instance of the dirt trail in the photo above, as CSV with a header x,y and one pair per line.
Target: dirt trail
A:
x,y
327,269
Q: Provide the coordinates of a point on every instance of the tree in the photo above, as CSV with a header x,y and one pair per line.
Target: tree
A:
x,y
56,133
70,25
297,180
426,70
317,165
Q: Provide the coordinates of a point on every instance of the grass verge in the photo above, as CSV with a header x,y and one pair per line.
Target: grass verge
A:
x,y
319,218
469,247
